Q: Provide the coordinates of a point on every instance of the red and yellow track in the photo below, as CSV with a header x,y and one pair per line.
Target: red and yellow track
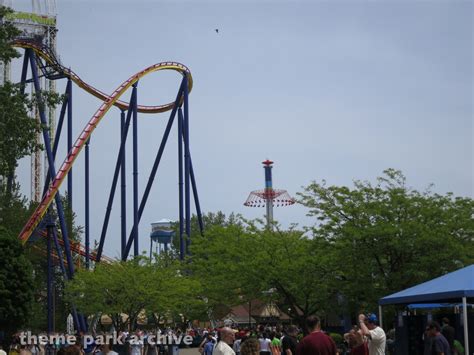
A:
x,y
109,101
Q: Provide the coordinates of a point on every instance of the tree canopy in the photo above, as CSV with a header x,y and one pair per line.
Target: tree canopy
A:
x,y
239,263
387,237
367,241
131,287
16,292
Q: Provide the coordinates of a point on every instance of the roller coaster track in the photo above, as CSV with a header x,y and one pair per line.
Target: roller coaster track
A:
x,y
108,102
75,248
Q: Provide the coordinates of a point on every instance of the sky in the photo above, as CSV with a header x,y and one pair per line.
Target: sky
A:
x,y
333,90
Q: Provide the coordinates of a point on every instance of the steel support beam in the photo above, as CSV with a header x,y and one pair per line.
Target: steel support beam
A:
x,y
49,252
155,165
69,144
133,108
180,183
24,70
87,203
115,180
187,165
123,189
52,170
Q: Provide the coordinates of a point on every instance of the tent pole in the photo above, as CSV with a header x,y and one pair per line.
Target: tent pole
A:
x,y
380,316
466,333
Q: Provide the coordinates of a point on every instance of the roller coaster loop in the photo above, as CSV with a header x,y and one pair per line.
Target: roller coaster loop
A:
x,y
40,57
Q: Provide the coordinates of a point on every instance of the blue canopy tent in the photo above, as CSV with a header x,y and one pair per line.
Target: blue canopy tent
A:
x,y
452,287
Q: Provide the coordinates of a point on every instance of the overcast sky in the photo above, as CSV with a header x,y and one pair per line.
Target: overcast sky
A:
x,y
336,90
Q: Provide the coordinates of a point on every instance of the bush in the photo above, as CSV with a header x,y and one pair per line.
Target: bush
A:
x,y
337,338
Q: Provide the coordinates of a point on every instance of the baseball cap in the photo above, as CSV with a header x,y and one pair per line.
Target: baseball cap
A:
x,y
372,318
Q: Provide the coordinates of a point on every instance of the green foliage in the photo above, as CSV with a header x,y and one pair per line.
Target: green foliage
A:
x,y
209,220
338,339
17,130
238,263
14,209
15,283
132,287
368,241
7,33
387,237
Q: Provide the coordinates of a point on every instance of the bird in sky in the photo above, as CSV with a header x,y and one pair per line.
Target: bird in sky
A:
x,y
217,30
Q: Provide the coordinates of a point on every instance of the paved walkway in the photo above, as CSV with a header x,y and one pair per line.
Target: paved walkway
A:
x,y
190,351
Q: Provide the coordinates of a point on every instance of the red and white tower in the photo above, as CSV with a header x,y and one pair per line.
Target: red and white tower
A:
x,y
269,197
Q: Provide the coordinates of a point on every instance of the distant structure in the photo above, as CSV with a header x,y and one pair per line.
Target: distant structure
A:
x,y
38,26
269,197
162,234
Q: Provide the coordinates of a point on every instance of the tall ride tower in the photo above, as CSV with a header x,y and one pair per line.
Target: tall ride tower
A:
x,y
38,26
269,197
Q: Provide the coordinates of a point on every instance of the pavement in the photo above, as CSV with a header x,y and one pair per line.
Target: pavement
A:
x,y
190,351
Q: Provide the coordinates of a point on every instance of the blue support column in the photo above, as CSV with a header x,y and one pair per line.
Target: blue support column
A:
x,y
57,137
52,170
196,197
115,180
135,174
59,252
47,181
87,221
49,252
180,183
151,246
155,165
187,195
24,71
69,142
123,189
193,184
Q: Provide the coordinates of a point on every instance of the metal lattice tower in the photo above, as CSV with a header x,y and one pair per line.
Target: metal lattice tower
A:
x,y
40,26
5,70
269,197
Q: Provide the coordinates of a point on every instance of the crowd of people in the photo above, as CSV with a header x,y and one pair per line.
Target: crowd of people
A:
x,y
368,339
365,338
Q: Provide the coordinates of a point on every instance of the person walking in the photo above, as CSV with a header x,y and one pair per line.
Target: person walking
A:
x,y
439,344
265,344
448,332
290,341
317,342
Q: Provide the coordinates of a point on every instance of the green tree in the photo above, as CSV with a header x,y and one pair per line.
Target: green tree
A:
x,y
8,32
387,237
15,283
209,220
239,263
17,130
132,287
14,209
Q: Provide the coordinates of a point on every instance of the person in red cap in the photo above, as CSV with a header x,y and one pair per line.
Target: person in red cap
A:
x,y
375,334
316,343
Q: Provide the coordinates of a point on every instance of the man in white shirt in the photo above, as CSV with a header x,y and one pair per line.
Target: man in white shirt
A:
x,y
375,334
226,339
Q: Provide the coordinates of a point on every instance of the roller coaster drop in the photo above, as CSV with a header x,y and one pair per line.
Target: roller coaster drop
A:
x,y
41,223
